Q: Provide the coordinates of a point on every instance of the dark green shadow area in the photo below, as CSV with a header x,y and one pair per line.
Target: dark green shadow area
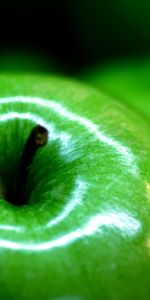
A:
x,y
19,61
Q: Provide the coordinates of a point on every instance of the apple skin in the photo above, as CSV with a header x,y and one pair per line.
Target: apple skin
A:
x,y
128,80
85,233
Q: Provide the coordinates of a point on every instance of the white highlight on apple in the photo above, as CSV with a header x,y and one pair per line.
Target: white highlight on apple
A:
x,y
11,228
121,221
123,151
75,199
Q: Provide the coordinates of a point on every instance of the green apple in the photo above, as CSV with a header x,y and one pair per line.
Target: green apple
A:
x,y
85,230
127,80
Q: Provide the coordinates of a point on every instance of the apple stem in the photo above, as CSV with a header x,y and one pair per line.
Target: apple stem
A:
x,y
37,138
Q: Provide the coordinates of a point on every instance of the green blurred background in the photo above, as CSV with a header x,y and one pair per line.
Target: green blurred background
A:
x,y
106,43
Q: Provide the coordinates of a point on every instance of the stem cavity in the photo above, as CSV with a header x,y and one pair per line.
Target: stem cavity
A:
x,y
37,139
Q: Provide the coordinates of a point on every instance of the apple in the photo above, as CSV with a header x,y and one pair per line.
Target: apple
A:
x,y
128,80
84,231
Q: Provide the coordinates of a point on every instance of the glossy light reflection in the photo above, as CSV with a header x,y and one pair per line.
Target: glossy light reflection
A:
x,y
119,221
74,200
124,152
11,228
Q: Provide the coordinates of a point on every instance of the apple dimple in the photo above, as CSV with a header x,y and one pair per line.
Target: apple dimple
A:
x,y
48,187
39,172
15,193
